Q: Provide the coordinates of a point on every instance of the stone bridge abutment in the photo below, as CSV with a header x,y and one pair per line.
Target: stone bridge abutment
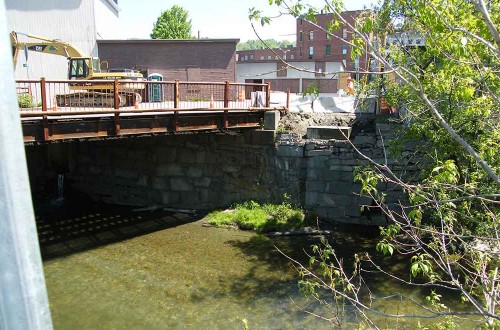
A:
x,y
209,171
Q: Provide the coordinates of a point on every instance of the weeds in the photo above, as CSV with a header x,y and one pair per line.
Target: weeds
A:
x,y
261,218
25,101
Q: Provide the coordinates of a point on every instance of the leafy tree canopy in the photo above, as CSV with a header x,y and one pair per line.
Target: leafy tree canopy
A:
x,y
172,24
257,44
448,91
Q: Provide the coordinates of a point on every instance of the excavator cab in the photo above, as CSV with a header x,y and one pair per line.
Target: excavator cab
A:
x,y
83,67
78,68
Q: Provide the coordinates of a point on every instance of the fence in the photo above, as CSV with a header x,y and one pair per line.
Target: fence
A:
x,y
103,96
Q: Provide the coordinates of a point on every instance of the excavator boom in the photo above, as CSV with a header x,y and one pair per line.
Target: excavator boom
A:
x,y
47,46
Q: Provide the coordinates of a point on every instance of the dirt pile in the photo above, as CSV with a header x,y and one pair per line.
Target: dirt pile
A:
x,y
297,123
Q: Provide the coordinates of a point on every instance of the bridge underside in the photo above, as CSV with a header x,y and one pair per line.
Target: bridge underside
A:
x,y
76,126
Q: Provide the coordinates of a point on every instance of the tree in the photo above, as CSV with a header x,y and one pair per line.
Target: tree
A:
x,y
257,44
313,91
172,24
450,93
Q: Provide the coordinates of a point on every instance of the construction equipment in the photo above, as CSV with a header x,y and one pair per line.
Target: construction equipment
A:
x,y
81,67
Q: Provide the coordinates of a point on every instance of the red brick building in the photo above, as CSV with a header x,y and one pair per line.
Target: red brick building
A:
x,y
317,45
319,56
184,60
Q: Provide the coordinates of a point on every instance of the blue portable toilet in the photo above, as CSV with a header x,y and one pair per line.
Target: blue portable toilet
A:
x,y
155,90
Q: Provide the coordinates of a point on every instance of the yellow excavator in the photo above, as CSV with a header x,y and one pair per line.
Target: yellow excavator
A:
x,y
81,67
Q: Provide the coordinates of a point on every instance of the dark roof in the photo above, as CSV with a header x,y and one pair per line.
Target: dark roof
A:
x,y
170,41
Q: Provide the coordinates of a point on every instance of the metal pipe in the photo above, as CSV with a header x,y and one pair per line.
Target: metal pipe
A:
x,y
23,296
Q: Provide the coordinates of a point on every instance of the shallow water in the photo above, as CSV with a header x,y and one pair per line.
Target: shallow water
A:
x,y
187,276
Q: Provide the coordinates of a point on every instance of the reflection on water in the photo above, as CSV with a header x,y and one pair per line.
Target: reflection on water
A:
x,y
166,271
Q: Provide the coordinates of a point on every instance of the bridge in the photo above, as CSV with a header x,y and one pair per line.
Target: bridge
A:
x,y
69,109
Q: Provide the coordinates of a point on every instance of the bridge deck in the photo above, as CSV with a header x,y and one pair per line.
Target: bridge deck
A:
x,y
177,107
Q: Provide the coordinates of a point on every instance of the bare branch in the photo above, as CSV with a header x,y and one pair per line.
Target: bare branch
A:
x,y
481,8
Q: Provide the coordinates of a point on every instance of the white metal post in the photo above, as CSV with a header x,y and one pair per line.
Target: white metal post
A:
x,y
23,297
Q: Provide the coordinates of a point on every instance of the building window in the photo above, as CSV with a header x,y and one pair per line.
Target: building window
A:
x,y
251,57
301,35
311,35
344,34
328,50
301,21
261,58
344,50
292,57
328,36
311,51
301,52
269,57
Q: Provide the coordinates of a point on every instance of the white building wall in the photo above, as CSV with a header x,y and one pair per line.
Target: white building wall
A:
x,y
255,71
332,68
106,20
268,70
70,20
292,73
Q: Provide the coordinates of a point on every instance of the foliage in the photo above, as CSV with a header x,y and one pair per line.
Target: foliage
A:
x,y
449,95
251,215
312,90
25,100
257,44
172,24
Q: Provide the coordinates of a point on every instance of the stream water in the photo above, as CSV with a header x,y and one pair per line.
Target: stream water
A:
x,y
113,268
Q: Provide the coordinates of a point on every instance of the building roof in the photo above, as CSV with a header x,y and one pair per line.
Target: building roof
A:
x,y
164,41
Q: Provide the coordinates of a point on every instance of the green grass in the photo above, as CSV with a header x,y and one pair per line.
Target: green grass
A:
x,y
260,218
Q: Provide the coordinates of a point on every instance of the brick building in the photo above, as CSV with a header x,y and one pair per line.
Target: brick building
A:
x,y
184,60
317,58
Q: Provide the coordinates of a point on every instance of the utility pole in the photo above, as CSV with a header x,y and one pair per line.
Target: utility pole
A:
x,y
23,296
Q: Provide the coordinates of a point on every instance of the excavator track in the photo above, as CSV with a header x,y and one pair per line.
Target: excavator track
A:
x,y
97,99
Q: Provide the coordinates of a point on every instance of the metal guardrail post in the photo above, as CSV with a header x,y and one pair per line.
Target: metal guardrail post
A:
x,y
117,107
116,96
176,94
23,297
268,95
226,95
45,121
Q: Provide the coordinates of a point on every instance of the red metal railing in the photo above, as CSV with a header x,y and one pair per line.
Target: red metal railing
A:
x,y
73,97
68,109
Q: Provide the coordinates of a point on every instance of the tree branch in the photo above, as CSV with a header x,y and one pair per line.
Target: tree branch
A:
x,y
481,8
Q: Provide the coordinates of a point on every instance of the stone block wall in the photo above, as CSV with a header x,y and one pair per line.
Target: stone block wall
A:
x,y
330,187
186,171
208,171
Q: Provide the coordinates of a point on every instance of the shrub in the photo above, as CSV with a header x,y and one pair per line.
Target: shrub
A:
x,y
251,215
25,100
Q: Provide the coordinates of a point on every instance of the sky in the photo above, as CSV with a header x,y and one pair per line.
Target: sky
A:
x,y
215,19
